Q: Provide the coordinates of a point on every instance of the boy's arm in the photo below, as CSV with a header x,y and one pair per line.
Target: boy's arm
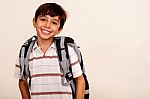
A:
x,y
80,87
24,89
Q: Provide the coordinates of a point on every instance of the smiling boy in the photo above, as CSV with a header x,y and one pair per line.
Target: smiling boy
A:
x,y
43,62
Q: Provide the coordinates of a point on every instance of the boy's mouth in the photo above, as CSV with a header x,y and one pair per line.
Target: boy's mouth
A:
x,y
46,31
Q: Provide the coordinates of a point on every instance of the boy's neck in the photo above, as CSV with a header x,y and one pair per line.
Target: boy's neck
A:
x,y
44,44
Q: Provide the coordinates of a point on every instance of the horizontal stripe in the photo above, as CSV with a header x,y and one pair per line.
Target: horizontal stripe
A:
x,y
36,58
50,74
46,84
18,66
52,65
49,93
74,63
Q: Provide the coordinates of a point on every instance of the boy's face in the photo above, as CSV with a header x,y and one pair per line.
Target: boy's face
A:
x,y
47,27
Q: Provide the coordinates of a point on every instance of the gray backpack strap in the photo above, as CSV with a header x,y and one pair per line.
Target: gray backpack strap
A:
x,y
63,61
21,60
24,58
62,50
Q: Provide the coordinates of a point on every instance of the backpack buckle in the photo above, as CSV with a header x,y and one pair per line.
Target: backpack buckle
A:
x,y
69,76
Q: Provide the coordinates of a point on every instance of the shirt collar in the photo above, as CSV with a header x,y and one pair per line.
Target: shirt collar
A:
x,y
37,47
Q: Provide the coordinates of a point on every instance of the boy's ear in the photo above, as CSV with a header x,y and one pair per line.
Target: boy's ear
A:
x,y
59,31
34,22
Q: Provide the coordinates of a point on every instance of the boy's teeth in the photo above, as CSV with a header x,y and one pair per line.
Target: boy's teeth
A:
x,y
45,31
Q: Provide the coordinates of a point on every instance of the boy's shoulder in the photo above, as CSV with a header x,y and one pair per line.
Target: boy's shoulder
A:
x,y
66,40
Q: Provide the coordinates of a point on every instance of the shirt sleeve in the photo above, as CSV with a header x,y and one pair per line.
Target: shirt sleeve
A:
x,y
17,69
76,68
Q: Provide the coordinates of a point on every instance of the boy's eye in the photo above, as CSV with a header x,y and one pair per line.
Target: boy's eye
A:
x,y
55,23
42,19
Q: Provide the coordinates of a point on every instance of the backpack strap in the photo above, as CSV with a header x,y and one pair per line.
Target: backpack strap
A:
x,y
24,55
62,50
62,44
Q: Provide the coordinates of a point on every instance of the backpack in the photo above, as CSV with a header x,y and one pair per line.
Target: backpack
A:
x,y
62,44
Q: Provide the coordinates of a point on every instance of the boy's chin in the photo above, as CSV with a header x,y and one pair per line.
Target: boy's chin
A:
x,y
44,37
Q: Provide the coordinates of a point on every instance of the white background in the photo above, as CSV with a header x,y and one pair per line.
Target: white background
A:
x,y
114,36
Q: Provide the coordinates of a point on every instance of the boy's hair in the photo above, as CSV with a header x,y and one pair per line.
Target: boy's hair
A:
x,y
53,10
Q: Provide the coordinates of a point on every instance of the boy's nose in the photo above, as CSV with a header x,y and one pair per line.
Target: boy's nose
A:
x,y
48,24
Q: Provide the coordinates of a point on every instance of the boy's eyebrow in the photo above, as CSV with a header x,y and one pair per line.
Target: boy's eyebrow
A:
x,y
53,19
41,16
56,20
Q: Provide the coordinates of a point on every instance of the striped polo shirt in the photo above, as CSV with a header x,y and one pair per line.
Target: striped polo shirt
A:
x,y
46,75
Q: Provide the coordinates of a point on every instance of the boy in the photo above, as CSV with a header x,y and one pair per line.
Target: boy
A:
x,y
43,62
